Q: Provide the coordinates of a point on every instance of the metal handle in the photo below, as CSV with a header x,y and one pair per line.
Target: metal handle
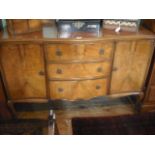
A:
x,y
99,69
41,73
115,69
60,90
58,52
101,51
98,87
59,71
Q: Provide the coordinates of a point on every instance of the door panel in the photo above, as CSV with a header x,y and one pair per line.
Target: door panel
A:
x,y
21,65
131,62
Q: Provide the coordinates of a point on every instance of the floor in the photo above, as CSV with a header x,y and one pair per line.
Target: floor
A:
x,y
66,111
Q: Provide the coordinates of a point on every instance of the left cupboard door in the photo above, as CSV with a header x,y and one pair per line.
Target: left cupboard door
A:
x,y
23,70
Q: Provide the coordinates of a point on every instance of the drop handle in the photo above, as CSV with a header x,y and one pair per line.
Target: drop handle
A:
x,y
58,52
101,51
59,71
115,69
42,73
99,69
98,87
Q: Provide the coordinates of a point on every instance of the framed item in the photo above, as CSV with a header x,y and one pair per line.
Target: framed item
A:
x,y
1,25
131,25
22,26
73,28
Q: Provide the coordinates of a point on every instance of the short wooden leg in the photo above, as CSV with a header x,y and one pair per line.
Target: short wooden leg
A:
x,y
138,103
11,106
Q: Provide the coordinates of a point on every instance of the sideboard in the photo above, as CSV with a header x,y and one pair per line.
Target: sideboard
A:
x,y
41,66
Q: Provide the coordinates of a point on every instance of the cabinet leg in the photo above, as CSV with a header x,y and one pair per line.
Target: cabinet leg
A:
x,y
11,106
138,103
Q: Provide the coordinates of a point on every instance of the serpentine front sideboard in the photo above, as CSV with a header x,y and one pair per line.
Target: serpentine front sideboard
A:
x,y
41,66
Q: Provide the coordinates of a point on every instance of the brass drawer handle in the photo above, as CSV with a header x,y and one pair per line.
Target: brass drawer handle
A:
x,y
98,87
60,90
58,52
59,71
99,69
101,51
115,69
42,73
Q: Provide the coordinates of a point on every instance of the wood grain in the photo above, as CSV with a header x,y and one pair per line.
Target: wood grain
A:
x,y
131,61
72,90
78,70
5,112
22,26
79,51
25,68
21,65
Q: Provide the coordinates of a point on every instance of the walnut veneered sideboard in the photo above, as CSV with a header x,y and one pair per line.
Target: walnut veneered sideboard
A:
x,y
40,66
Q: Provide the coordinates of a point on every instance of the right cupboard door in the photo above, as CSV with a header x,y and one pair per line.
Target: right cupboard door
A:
x,y
131,63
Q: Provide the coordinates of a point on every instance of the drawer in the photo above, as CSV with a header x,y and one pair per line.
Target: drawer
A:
x,y
77,70
79,51
151,96
73,90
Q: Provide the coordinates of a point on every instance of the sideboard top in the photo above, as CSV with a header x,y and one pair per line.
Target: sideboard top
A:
x,y
50,33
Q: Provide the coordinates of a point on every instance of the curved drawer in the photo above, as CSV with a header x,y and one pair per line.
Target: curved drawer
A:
x,y
73,90
79,51
77,70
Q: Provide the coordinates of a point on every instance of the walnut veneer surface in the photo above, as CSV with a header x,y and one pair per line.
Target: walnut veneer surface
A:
x,y
149,99
40,65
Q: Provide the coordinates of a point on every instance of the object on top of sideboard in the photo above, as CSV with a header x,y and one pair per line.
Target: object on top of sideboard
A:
x,y
130,25
1,25
150,24
23,26
78,28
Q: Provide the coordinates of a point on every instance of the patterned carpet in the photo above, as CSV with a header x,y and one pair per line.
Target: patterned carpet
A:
x,y
23,127
143,124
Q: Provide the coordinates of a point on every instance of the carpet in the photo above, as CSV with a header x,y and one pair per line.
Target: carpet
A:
x,y
23,127
139,124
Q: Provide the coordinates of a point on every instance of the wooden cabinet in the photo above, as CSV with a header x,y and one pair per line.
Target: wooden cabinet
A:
x,y
131,63
21,64
72,69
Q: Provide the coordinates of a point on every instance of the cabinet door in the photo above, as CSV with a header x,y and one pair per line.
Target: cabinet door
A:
x,y
131,62
21,66
4,110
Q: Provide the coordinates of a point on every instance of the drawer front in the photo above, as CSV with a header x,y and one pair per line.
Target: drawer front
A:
x,y
77,70
73,90
79,51
151,96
